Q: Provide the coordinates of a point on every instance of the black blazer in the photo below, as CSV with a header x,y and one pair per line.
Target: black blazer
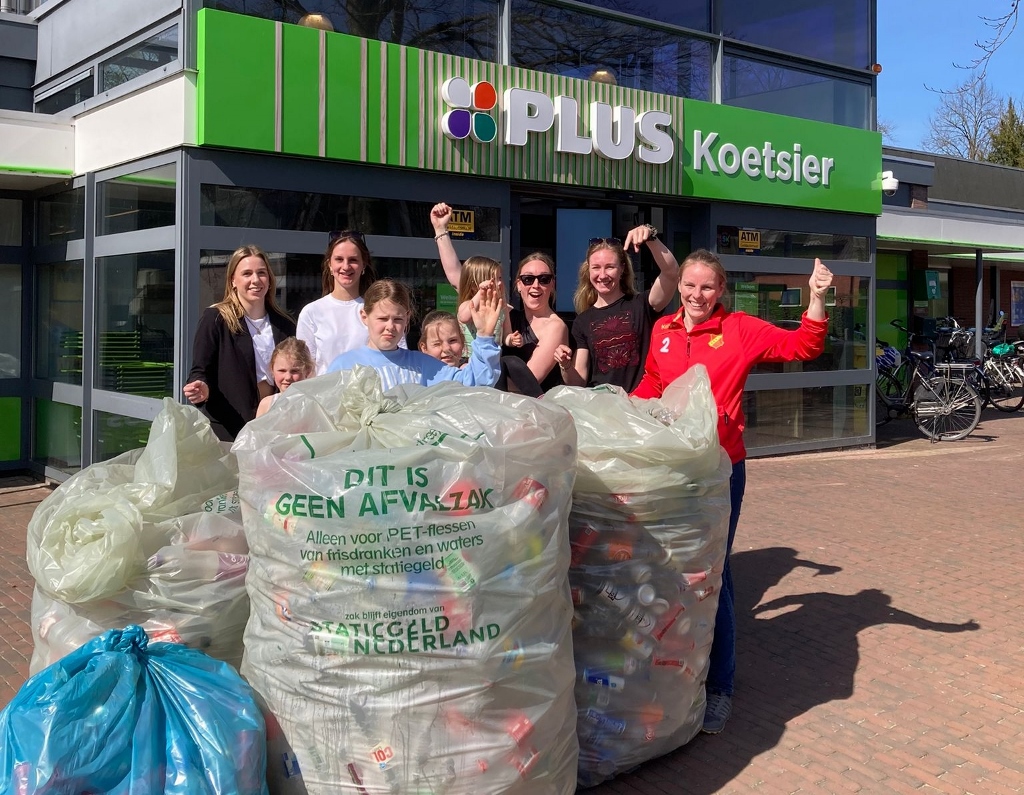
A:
x,y
227,363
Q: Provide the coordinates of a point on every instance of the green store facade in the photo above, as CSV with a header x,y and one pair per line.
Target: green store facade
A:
x,y
123,201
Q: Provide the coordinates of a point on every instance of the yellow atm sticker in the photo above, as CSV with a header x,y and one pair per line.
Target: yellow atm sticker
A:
x,y
750,239
463,222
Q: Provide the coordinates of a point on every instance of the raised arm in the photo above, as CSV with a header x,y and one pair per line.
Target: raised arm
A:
x,y
664,287
440,215
820,281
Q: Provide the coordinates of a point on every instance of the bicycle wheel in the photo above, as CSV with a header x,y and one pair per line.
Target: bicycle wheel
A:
x,y
1005,391
887,393
946,410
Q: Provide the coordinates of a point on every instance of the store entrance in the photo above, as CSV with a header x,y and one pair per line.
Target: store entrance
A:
x,y
561,227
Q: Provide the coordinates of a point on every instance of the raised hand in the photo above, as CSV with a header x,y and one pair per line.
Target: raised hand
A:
x,y
486,306
821,279
637,236
440,215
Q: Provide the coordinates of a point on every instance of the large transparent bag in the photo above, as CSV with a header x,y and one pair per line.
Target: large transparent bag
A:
x,y
648,530
410,625
119,716
152,537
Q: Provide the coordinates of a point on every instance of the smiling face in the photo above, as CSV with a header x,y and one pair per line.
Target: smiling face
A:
x,y
385,323
536,295
443,340
605,270
346,266
700,288
286,371
251,281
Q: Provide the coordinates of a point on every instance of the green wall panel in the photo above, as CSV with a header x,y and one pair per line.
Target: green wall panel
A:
x,y
300,90
10,429
345,110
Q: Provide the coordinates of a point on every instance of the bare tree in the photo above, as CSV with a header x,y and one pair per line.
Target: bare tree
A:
x,y
962,125
1002,27
887,127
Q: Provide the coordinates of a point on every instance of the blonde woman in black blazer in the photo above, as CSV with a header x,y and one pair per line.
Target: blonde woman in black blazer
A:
x,y
234,340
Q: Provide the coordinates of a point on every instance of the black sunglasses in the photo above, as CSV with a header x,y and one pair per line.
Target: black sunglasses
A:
x,y
352,234
611,241
529,278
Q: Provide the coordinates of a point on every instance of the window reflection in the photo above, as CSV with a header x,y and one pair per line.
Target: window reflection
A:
x,y
800,245
143,200
781,299
466,28
761,85
154,52
135,323
115,434
67,97
826,30
10,321
61,217
558,41
58,354
10,222
693,14
257,208
788,416
57,435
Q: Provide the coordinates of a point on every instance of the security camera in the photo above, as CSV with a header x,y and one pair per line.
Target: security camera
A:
x,y
889,183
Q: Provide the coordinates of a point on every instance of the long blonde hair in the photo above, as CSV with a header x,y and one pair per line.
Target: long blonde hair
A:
x,y
474,271
230,307
585,295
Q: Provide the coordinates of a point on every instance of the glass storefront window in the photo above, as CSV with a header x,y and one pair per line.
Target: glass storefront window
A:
x,y
556,40
135,323
693,14
10,222
115,434
788,416
143,200
10,321
60,217
781,300
258,208
57,435
466,28
838,31
67,97
795,245
154,52
58,350
771,87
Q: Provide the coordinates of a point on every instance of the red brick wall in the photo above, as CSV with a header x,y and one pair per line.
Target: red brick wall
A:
x,y
961,288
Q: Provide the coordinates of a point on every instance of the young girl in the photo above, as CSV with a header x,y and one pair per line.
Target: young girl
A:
x,y
291,361
386,312
441,337
476,272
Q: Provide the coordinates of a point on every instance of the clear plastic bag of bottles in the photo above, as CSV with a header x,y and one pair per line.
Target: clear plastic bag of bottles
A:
x,y
648,533
411,621
152,537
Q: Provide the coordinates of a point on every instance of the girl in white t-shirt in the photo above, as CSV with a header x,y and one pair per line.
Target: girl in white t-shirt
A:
x,y
290,362
330,325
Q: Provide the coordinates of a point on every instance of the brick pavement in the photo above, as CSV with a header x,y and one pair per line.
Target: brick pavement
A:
x,y
879,642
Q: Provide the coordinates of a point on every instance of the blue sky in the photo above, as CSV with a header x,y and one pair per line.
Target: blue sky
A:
x,y
918,43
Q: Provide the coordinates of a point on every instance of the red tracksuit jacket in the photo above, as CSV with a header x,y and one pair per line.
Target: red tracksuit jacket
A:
x,y
728,344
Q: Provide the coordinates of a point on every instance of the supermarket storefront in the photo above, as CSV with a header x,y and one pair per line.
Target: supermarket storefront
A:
x,y
289,132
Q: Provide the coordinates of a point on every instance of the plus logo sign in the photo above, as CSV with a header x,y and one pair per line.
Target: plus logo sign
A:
x,y
469,113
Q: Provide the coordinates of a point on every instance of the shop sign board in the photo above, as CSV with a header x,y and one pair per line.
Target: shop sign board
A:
x,y
307,92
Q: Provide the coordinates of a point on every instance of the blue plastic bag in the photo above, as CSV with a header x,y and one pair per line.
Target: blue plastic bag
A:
x,y
121,716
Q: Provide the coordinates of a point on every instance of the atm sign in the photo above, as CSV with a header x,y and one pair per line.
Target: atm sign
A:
x,y
750,239
462,222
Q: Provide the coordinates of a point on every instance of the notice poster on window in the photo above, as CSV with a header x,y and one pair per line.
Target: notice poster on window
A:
x,y
1016,303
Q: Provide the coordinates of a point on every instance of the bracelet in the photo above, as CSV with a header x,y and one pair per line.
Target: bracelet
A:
x,y
653,230
438,237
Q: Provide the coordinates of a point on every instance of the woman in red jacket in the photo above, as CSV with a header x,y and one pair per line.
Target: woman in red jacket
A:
x,y
728,344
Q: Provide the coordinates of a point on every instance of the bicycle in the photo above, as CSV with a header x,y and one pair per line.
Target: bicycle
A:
x,y
943,407
997,378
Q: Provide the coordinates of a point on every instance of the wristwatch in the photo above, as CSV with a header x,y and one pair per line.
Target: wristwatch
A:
x,y
653,230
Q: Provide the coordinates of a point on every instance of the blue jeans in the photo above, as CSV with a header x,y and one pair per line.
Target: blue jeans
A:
x,y
722,665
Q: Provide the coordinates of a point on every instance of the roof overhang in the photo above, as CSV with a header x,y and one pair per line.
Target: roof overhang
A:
x,y
37,151
952,237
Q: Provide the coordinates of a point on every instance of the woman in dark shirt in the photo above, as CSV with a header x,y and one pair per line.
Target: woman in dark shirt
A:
x,y
541,329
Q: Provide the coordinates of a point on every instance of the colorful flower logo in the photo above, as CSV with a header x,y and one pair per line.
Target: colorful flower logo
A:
x,y
470,110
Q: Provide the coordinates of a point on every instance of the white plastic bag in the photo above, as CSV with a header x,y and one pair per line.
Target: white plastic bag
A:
x,y
151,537
410,625
648,530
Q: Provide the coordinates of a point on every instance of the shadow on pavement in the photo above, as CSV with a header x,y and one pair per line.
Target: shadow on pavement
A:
x,y
903,430
793,654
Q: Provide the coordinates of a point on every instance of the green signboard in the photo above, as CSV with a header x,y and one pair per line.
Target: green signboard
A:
x,y
271,87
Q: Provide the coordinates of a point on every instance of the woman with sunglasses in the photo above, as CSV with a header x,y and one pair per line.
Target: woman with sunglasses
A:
x,y
540,329
612,330
234,343
330,326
